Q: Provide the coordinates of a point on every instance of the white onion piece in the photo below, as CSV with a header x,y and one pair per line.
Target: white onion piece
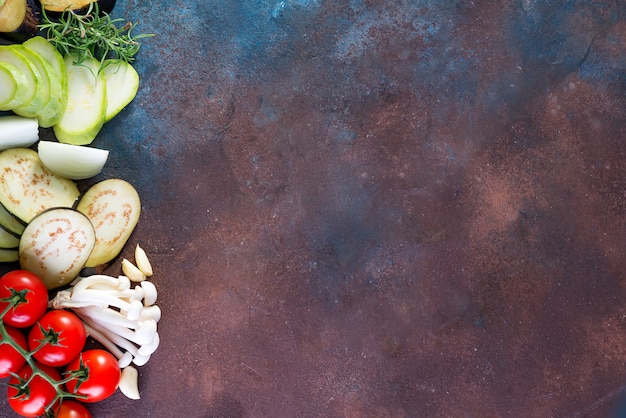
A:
x,y
73,162
17,131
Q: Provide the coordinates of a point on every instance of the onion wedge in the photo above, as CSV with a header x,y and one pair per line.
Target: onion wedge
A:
x,y
56,244
17,131
74,162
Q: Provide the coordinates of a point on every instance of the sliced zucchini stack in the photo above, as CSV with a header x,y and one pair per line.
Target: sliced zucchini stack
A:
x,y
35,75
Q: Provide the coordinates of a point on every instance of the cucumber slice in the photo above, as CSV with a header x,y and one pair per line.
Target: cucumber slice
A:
x,y
56,244
27,187
113,206
122,83
14,86
86,103
42,95
10,222
55,66
74,162
32,94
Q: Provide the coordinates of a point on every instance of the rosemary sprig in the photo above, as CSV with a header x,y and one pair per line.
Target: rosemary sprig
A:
x,y
92,34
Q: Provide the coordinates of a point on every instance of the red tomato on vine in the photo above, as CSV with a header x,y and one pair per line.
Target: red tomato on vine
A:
x,y
100,375
30,291
11,361
33,400
62,334
72,409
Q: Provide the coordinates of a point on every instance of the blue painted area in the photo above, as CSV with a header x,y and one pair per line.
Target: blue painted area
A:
x,y
558,36
599,66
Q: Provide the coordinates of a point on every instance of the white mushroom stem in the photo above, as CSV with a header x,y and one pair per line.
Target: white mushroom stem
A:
x,y
100,280
149,348
102,339
150,312
111,336
108,316
132,352
121,318
149,293
139,332
143,334
98,298
123,358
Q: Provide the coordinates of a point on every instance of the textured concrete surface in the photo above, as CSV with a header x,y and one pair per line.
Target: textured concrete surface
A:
x,y
408,208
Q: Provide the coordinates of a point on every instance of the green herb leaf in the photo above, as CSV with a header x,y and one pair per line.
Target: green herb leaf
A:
x,y
92,34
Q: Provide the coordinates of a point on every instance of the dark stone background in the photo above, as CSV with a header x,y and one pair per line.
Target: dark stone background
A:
x,y
410,208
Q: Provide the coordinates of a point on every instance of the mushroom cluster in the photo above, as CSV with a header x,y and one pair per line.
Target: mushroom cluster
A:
x,y
120,313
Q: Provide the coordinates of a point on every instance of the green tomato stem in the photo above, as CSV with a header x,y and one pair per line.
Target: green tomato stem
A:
x,y
35,370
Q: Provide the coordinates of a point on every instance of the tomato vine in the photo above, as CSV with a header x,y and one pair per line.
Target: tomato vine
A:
x,y
22,380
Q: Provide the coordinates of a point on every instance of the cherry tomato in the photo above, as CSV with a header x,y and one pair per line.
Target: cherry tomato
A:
x,y
102,377
72,409
41,393
35,295
64,335
10,360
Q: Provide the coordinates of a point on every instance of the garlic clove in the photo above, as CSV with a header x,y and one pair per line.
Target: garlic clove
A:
x,y
132,271
143,264
128,383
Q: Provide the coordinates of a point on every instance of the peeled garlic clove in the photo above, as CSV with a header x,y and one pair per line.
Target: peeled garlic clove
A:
x,y
141,258
128,382
132,272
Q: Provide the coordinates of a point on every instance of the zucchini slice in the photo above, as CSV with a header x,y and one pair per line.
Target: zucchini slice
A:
x,y
27,187
113,206
86,102
55,66
14,86
32,94
56,244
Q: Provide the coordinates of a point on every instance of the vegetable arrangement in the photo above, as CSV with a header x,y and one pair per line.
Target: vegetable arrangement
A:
x,y
62,79
72,75
43,348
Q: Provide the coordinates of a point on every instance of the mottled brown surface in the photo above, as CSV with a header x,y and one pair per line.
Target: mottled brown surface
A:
x,y
360,209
